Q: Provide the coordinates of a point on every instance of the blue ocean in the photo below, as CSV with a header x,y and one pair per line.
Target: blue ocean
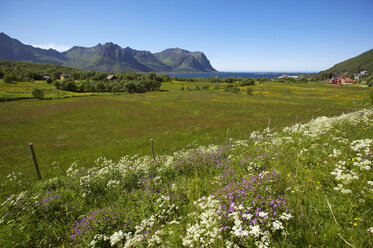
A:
x,y
235,74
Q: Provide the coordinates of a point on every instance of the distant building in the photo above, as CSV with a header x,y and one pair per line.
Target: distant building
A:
x,y
361,74
284,76
341,80
288,76
347,80
46,77
336,81
111,77
65,76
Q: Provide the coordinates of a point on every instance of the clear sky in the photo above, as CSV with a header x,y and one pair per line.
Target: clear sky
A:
x,y
236,35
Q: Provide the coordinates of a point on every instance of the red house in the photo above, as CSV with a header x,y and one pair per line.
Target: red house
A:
x,y
336,81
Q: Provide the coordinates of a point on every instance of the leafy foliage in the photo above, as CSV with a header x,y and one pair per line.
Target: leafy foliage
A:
x,y
38,93
231,88
9,78
249,91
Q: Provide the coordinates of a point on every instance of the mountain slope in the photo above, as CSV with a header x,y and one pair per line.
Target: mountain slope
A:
x,y
12,49
107,58
148,59
185,61
362,62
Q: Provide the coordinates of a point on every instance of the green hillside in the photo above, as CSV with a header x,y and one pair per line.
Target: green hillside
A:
x,y
363,62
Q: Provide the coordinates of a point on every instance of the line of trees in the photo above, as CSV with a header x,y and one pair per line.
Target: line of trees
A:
x,y
81,80
141,85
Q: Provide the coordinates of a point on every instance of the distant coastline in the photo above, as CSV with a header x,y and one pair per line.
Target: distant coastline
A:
x,y
236,74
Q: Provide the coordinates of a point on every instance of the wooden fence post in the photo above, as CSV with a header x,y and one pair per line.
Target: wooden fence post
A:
x,y
151,144
269,124
35,161
227,142
296,120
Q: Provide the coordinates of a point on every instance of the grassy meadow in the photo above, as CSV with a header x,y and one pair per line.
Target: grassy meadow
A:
x,y
306,181
81,129
306,185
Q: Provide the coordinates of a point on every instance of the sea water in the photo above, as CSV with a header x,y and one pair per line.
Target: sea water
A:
x,y
235,74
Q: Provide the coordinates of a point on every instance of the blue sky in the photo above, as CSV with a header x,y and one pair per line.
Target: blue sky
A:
x,y
261,35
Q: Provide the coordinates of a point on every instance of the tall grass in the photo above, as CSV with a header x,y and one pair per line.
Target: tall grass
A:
x,y
81,129
304,185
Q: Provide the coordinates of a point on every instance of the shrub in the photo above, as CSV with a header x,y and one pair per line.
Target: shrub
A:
x,y
38,93
57,84
197,88
69,85
8,78
181,88
231,88
247,82
49,80
249,91
130,87
371,96
205,87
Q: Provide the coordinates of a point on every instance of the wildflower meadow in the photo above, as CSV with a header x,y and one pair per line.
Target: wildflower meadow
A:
x,y
306,185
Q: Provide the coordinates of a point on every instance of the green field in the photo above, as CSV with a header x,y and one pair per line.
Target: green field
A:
x,y
303,185
82,129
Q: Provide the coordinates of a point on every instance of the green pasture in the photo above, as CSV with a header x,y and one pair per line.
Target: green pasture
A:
x,y
82,129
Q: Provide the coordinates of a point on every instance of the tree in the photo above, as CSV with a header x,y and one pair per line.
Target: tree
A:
x,y
38,93
231,88
249,91
8,78
57,84
56,75
130,87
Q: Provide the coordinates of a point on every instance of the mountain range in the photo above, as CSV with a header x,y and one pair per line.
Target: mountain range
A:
x,y
108,57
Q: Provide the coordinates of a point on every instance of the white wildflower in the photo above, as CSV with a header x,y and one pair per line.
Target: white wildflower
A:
x,y
286,216
255,230
116,237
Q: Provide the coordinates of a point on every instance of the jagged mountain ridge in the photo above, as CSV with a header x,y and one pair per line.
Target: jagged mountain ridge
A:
x,y
109,57
184,60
